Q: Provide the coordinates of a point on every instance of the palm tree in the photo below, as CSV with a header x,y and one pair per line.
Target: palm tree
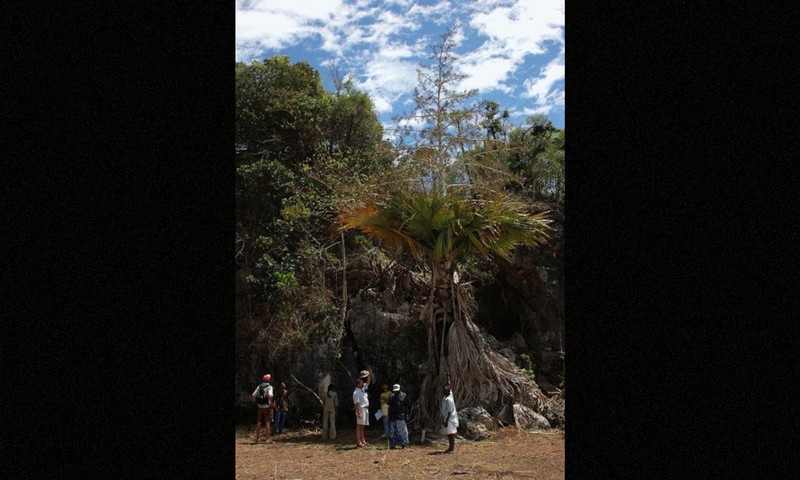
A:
x,y
443,230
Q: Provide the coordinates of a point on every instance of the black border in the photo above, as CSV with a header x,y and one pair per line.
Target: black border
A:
x,y
682,149
121,209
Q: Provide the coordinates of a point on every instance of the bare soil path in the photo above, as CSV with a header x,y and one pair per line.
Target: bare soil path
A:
x,y
302,455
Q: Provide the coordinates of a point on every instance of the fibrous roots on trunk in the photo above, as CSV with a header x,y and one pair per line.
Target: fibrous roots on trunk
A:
x,y
479,375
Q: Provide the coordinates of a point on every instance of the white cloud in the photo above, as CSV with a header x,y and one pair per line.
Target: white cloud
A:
x,y
388,77
266,24
269,29
306,9
486,70
440,13
541,87
514,32
524,27
381,43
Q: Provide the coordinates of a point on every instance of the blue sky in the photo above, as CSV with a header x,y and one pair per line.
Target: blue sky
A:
x,y
511,50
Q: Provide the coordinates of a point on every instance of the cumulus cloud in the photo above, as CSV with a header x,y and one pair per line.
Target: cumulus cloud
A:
x,y
442,13
388,77
501,46
267,24
543,88
514,32
486,71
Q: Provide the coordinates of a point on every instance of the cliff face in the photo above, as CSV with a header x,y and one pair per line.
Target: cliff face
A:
x,y
520,309
528,297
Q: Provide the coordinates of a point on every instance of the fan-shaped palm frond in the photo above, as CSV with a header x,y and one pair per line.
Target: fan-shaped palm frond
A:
x,y
447,227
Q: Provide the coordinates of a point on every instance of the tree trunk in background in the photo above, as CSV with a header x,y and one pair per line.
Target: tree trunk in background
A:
x,y
479,376
344,281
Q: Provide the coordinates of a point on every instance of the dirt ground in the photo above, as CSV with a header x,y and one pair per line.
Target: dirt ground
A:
x,y
302,455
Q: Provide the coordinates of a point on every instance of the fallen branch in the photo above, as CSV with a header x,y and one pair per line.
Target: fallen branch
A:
x,y
312,391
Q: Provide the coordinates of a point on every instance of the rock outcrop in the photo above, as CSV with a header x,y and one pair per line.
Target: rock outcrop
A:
x,y
520,310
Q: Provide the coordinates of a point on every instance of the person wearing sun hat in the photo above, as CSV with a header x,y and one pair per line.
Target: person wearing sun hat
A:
x,y
361,404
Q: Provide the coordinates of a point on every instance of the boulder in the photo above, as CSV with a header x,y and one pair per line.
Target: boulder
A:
x,y
518,343
524,417
475,431
553,410
475,423
509,354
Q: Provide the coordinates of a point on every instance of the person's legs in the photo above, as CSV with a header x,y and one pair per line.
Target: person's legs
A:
x,y
451,438
385,419
263,419
280,420
326,418
360,420
358,428
365,416
402,433
393,434
332,430
267,424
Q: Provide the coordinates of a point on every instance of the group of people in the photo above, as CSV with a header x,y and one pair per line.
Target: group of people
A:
x,y
394,407
271,408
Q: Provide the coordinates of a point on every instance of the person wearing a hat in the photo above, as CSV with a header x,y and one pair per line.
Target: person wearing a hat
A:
x,y
398,408
263,398
361,404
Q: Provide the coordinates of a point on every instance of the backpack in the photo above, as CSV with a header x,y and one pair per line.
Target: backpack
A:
x,y
261,396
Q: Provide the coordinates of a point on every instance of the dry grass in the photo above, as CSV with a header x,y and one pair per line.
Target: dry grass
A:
x,y
509,454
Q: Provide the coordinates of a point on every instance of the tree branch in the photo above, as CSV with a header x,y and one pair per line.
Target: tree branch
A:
x,y
312,391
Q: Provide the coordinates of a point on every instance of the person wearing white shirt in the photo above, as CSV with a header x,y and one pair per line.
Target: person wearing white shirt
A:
x,y
361,404
450,423
329,414
262,395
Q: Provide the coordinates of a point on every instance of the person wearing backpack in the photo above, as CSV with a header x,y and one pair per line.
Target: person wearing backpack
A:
x,y
263,398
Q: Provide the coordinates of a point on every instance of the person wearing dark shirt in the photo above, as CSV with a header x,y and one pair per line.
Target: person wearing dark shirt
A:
x,y
281,408
398,408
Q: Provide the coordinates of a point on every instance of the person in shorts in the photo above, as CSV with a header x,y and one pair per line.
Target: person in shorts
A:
x,y
262,395
361,405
